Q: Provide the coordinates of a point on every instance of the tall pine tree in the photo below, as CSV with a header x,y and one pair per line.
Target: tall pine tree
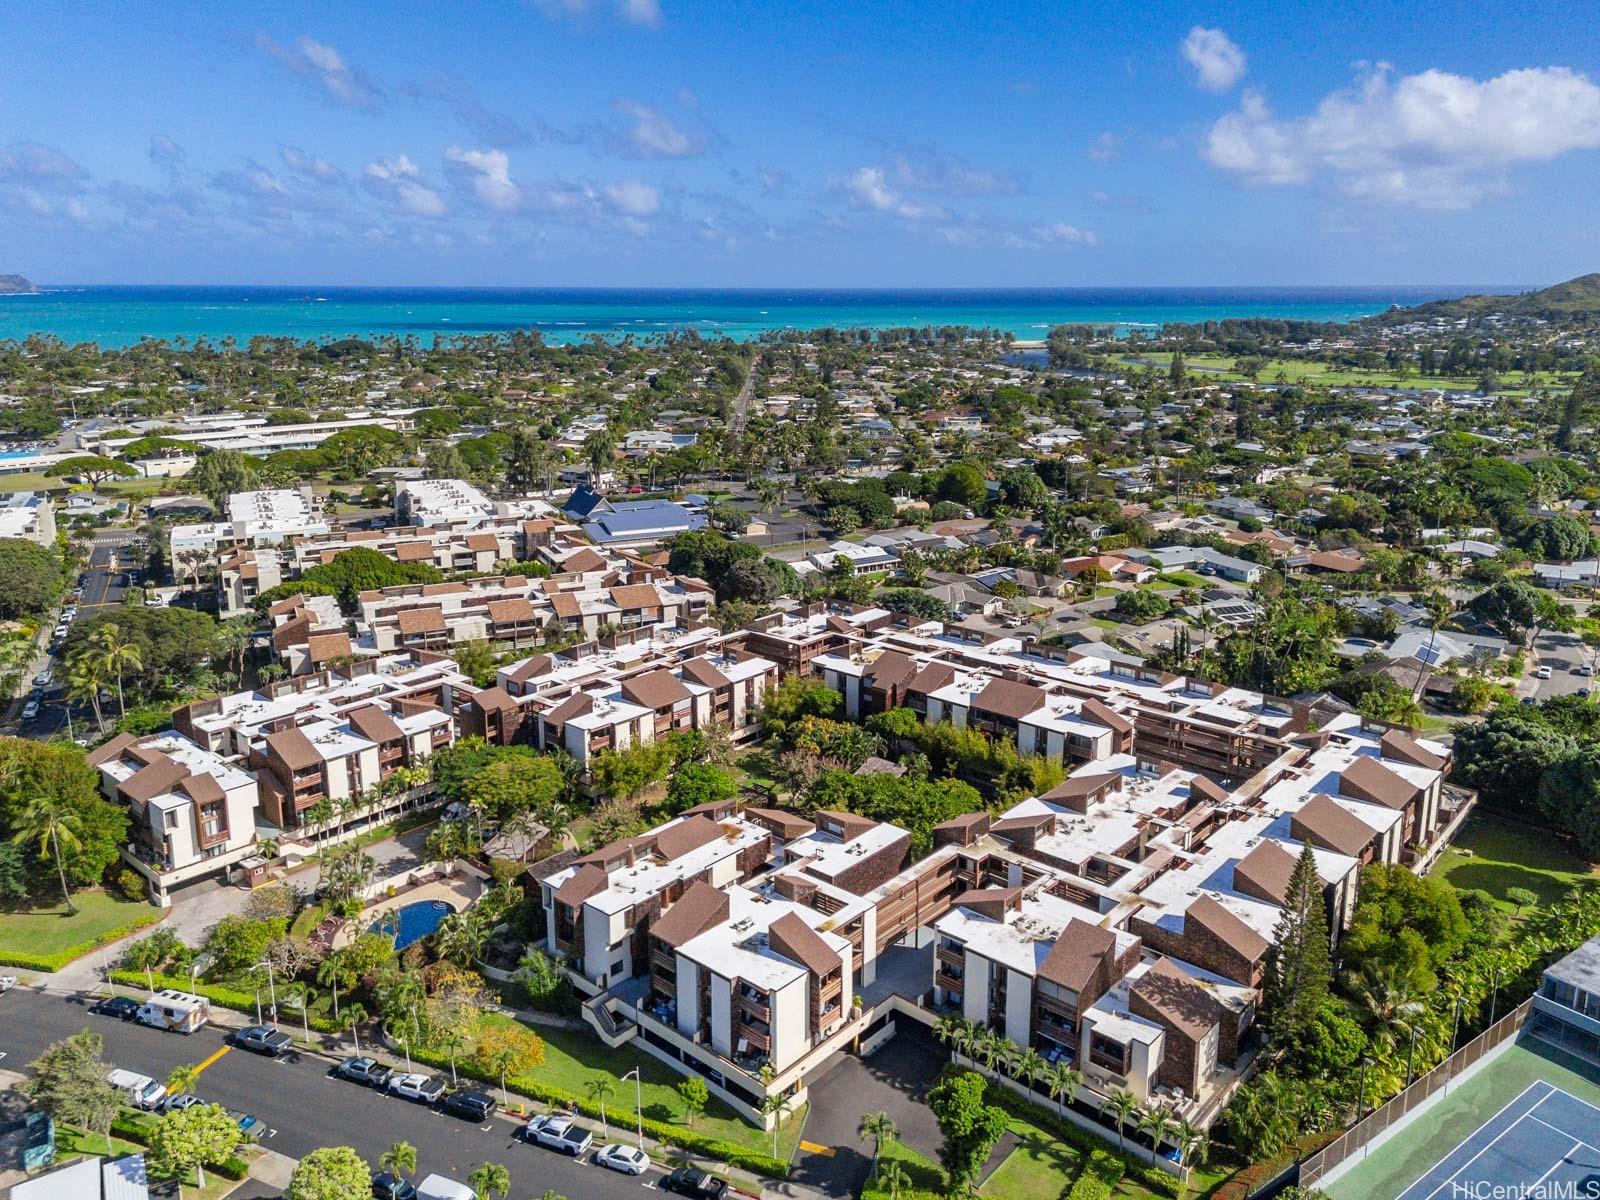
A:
x,y
1299,966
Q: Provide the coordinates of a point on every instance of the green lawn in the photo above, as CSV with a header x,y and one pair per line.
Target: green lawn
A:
x,y
572,1058
1505,855
1041,1168
1220,367
50,930
1183,579
922,1173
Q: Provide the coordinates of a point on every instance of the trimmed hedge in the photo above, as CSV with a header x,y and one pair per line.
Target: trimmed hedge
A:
x,y
135,1129
686,1139
54,962
1099,1176
671,1135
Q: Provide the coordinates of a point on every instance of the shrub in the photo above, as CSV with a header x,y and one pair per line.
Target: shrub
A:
x,y
132,884
137,1130
1099,1176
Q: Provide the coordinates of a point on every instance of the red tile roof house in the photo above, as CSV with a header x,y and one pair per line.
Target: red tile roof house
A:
x,y
1116,567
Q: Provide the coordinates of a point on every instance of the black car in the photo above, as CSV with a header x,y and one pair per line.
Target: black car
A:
x,y
392,1187
366,1071
119,1007
263,1039
691,1181
474,1106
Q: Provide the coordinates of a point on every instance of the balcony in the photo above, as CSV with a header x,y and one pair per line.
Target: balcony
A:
x,y
756,1007
758,1038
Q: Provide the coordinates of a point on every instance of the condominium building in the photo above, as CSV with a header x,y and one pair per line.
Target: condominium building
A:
x,y
266,518
29,516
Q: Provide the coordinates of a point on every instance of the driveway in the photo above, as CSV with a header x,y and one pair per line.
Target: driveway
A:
x,y
1562,653
894,1079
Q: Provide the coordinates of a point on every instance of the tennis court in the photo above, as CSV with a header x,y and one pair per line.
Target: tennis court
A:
x,y
1534,1146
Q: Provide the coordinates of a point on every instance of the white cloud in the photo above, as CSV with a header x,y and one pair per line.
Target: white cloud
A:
x,y
324,68
1431,140
632,198
1218,63
868,188
1106,147
635,12
399,181
309,165
653,134
488,173
929,170
1059,233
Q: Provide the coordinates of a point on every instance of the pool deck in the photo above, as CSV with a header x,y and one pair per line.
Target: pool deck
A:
x,y
459,892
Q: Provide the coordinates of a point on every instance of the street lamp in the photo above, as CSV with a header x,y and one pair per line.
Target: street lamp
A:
x,y
1361,1090
272,992
638,1102
1455,1029
1411,1054
1494,998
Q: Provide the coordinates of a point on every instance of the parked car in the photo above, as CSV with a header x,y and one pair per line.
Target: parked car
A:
x,y
181,1101
473,1105
30,710
120,1007
253,1127
392,1187
263,1039
1542,673
43,678
366,1071
558,1133
630,1160
141,1091
1582,669
691,1181
7,982
424,1089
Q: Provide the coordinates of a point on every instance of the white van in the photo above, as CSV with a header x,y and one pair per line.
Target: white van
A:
x,y
181,1012
437,1187
142,1091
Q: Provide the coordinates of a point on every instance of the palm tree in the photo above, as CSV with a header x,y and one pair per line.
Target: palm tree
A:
x,y
600,1088
891,1178
1063,1081
598,448
399,1159
1157,1123
1391,1007
1030,1065
353,1018
949,1029
880,1127
1194,1144
775,1105
992,1049
117,656
50,822
182,1079
1123,1104
331,971
490,1180
84,681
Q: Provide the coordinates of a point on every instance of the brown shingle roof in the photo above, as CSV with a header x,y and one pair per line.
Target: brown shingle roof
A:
x,y
1079,951
1207,789
1324,822
586,881
1227,928
704,672
795,940
162,775
1264,872
414,551
584,560
891,669
990,902
1009,698
636,595
655,689
324,646
565,605
1395,744
1369,779
1107,716
422,620
202,789
478,542
697,910
491,698
534,667
1180,1000
931,678
576,705
294,749
110,751
850,825
372,723
504,612
786,825
681,837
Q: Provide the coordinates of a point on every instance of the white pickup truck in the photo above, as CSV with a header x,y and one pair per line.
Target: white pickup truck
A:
x,y
558,1133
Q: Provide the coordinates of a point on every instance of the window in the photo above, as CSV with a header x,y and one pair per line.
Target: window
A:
x,y
1104,1052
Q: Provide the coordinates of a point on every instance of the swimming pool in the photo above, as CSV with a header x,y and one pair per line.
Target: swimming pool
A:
x,y
412,922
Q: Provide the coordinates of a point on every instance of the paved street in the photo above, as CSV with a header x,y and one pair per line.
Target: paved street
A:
x,y
304,1107
1563,653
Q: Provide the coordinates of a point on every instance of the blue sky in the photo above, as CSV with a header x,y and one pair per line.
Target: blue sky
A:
x,y
667,142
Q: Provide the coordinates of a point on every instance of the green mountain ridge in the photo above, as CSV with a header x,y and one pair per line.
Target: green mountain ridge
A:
x,y
1579,297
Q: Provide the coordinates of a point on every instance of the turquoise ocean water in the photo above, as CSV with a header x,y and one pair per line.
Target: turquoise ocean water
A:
x,y
120,316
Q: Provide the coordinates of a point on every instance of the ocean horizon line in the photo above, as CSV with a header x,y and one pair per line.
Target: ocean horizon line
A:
x,y
805,289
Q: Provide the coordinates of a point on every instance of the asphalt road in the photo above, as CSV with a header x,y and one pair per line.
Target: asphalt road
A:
x,y
1562,653
303,1107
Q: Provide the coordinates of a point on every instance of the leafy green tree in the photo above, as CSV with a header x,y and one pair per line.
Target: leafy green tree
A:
x,y
359,569
1141,604
13,874
695,1096
1509,607
1404,923
962,484
913,601
1569,796
1505,755
970,1127
194,1138
1555,539
222,473
514,784
30,578
93,469
331,1173
699,783
237,943
68,1081
171,646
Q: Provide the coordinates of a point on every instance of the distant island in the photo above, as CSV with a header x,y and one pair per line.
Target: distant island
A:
x,y
16,285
